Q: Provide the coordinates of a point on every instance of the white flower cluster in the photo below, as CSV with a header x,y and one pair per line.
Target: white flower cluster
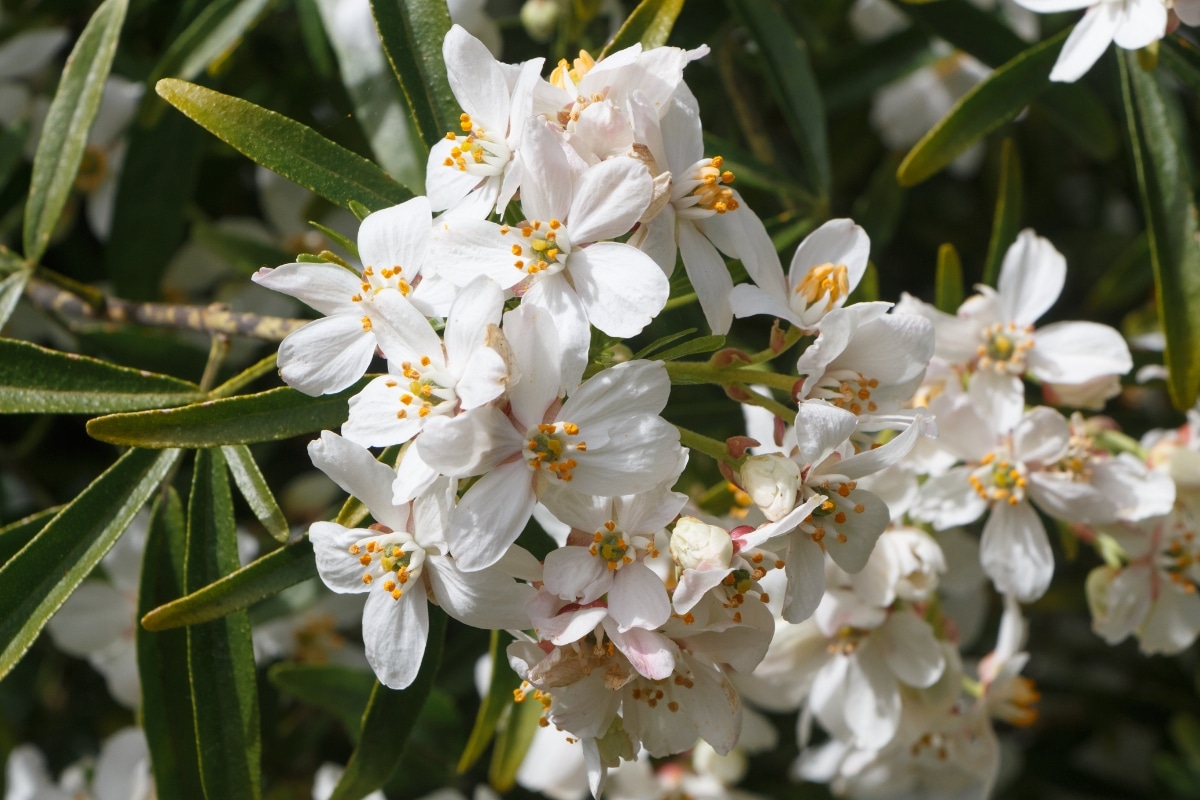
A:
x,y
563,205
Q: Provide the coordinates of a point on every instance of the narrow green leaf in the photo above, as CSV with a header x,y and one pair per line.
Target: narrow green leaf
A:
x,y
660,343
649,25
37,380
342,691
1129,276
262,578
379,106
287,147
253,487
38,579
1183,59
267,416
999,98
948,290
412,33
17,534
701,344
1006,221
64,133
512,743
1171,225
499,697
209,37
341,241
858,71
162,659
220,653
790,78
312,33
389,720
11,289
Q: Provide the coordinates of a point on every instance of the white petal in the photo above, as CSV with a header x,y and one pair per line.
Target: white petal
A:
x,y
638,598
872,706
449,187
1041,437
373,420
353,468
1087,42
396,237
806,579
1031,278
911,650
464,248
742,235
559,308
694,584
838,241
29,51
470,443
394,634
620,286
1077,352
651,654
491,515
402,332
821,428
575,575
326,287
549,196
1015,552
748,301
538,356
709,276
339,570
93,617
1143,22
866,516
613,395
639,455
947,500
477,80
123,767
609,200
486,599
326,355
478,305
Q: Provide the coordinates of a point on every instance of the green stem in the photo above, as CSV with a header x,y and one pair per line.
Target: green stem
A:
x,y
703,444
682,300
246,376
705,372
775,407
792,336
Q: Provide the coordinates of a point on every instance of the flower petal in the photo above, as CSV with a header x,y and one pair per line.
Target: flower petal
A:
x,y
353,468
486,599
491,515
325,287
326,355
394,634
638,598
708,274
1015,552
1077,352
1031,277
609,200
619,285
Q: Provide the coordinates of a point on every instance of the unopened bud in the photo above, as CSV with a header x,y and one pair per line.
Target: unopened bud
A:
x,y
695,544
540,18
771,481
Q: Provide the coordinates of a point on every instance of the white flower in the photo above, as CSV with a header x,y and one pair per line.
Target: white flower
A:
x,y
122,770
1132,24
696,544
399,561
329,354
771,480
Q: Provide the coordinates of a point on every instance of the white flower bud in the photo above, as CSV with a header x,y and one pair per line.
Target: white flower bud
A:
x,y
771,481
540,18
695,544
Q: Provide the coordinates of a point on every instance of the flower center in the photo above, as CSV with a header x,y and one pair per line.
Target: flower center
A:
x,y
999,479
832,512
611,546
375,282
703,192
1004,347
430,390
829,282
549,448
848,390
567,75
394,557
476,151
539,247
846,640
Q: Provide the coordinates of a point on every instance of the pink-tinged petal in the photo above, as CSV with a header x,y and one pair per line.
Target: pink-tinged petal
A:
x,y
470,443
486,599
571,626
1143,22
865,518
353,468
1087,42
463,248
1041,437
326,355
911,650
621,288
708,274
491,515
742,235
1077,352
651,654
746,300
325,287
549,196
838,241
638,455
339,570
617,393
609,199
575,575
947,500
479,304
1031,277
559,308
477,81
538,358
396,237
638,598
403,332
374,420
694,584
872,698
1015,552
805,578
394,634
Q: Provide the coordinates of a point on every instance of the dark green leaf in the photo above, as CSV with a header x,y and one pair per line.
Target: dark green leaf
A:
x,y
11,289
388,721
660,343
999,98
1006,221
36,380
209,37
35,582
1171,225
412,33
162,659
17,534
64,133
220,653
649,25
254,489
701,344
791,80
512,743
240,589
499,697
1183,59
342,691
949,282
857,72
283,145
267,416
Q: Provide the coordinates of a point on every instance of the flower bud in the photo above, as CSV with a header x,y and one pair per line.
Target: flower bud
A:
x,y
695,544
540,18
771,481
